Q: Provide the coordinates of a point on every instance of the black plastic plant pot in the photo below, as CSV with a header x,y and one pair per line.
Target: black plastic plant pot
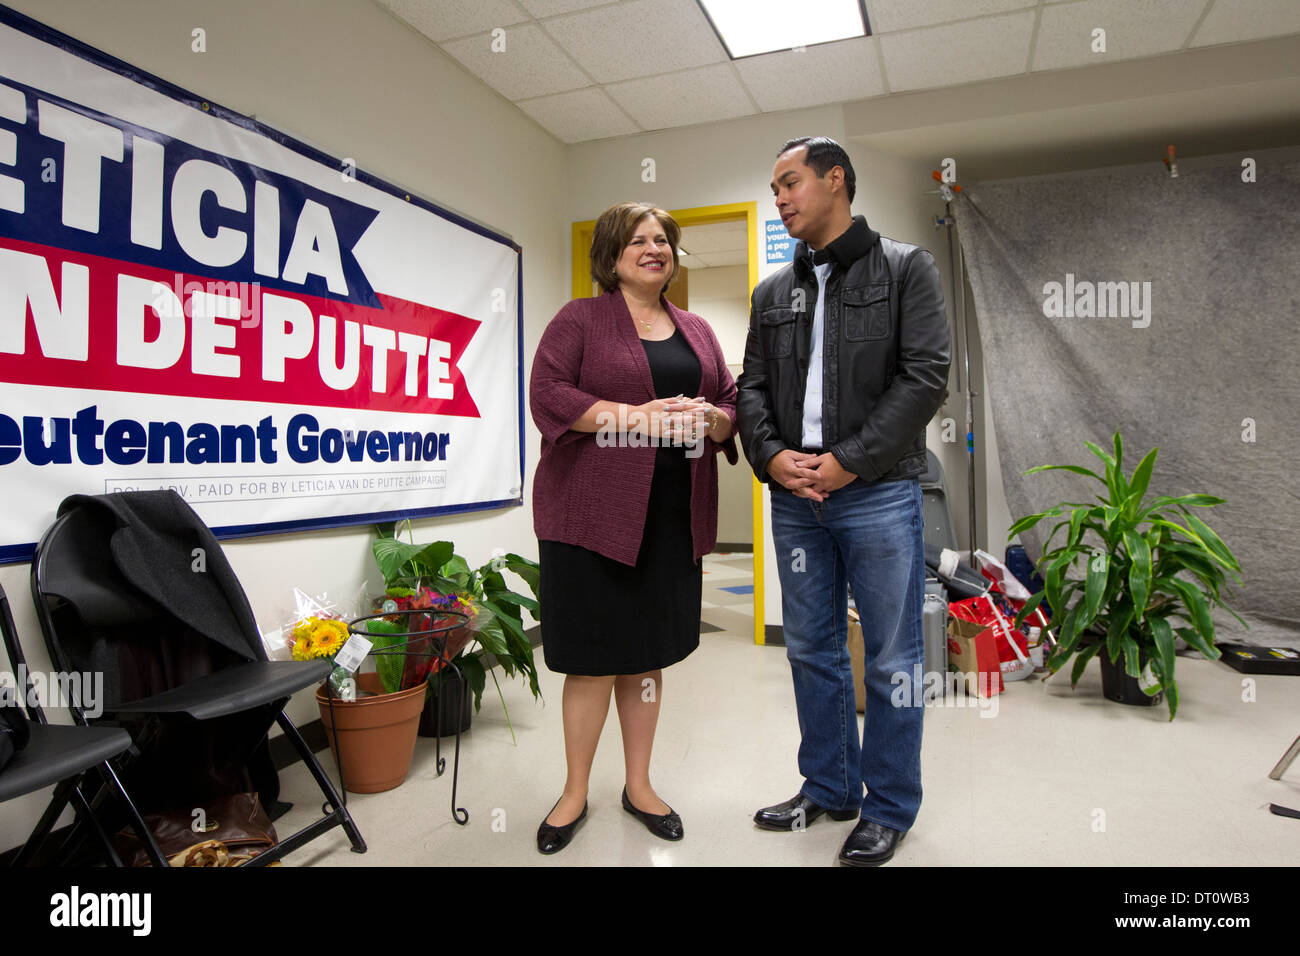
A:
x,y
1118,686
445,703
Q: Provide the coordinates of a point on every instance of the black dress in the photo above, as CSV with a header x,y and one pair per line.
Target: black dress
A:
x,y
603,617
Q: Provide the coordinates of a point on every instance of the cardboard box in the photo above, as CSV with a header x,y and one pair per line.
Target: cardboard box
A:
x,y
857,654
973,653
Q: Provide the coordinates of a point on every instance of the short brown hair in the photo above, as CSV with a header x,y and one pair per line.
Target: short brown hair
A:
x,y
615,229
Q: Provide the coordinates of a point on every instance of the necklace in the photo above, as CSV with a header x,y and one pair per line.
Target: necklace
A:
x,y
648,325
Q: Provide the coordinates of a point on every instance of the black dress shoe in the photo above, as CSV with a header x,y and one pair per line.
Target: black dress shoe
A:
x,y
796,813
870,844
668,826
552,839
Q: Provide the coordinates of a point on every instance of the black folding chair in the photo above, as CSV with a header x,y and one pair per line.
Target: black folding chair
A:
x,y
60,756
198,711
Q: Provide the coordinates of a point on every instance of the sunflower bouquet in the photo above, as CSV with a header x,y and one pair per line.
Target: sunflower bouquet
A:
x,y
318,637
318,631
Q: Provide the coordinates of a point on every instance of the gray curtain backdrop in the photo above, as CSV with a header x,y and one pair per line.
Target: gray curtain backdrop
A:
x,y
1218,346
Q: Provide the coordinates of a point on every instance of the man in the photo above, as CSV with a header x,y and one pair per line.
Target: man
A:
x,y
846,361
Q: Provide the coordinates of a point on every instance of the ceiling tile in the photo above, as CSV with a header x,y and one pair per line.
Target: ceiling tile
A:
x,y
1132,30
579,116
639,38
959,53
715,237
1229,22
443,19
681,99
825,73
530,64
738,257
889,15
551,8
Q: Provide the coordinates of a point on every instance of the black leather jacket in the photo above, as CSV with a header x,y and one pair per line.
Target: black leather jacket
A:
x,y
885,356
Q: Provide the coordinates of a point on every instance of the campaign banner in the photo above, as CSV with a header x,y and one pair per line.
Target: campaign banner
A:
x,y
190,299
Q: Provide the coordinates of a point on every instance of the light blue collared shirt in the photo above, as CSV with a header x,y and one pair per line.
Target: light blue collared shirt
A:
x,y
812,396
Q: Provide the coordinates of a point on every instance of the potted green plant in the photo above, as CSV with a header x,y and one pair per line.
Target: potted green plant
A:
x,y
409,568
1151,571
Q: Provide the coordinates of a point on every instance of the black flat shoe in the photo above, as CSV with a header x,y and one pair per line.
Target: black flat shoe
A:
x,y
870,844
667,827
554,839
796,813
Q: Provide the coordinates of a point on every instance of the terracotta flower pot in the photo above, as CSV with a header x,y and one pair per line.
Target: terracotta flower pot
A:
x,y
376,734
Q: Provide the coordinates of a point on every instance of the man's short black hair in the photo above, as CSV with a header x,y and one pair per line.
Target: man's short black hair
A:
x,y
823,154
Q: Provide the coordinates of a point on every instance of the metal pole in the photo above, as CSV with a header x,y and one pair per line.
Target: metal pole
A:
x,y
970,409
963,372
949,221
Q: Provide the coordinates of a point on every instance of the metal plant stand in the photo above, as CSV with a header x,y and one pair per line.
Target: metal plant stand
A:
x,y
1276,774
429,642
1292,752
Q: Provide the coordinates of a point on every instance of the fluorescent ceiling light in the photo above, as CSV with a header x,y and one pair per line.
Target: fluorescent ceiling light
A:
x,y
749,27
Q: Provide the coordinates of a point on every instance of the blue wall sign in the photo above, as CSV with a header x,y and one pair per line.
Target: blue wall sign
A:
x,y
780,246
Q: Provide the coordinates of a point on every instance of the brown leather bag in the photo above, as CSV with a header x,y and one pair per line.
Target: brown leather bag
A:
x,y
237,821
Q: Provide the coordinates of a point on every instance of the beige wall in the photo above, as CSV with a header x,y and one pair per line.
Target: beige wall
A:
x,y
354,81
721,295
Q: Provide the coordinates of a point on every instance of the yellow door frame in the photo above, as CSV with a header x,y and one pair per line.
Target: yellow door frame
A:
x,y
695,216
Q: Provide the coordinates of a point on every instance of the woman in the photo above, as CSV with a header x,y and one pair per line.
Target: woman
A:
x,y
625,500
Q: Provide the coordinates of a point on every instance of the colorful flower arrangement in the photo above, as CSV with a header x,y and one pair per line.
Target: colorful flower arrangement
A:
x,y
425,657
427,598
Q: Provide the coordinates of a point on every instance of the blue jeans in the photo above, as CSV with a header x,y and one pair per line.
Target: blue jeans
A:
x,y
868,536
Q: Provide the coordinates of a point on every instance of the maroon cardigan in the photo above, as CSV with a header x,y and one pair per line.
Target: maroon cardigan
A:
x,y
596,497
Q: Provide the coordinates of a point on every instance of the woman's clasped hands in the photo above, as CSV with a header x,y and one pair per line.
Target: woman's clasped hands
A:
x,y
678,420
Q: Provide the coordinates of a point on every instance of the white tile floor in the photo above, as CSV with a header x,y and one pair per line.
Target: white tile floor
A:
x,y
1054,778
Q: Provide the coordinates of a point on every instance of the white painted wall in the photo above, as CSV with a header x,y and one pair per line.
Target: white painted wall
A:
x,y
356,82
